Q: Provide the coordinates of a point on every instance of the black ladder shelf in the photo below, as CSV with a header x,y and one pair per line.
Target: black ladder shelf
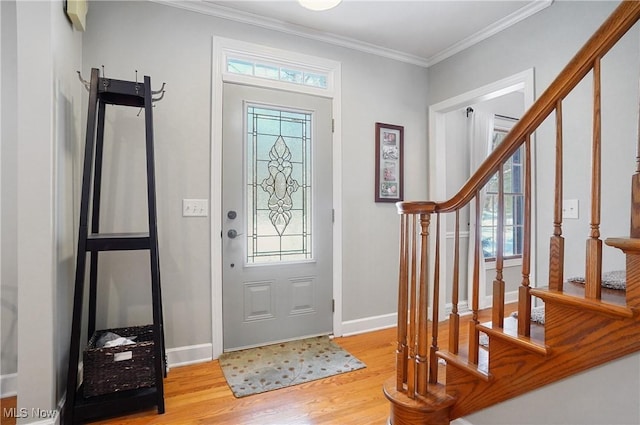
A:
x,y
78,409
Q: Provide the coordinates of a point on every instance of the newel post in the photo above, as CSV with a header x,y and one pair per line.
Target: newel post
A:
x,y
415,399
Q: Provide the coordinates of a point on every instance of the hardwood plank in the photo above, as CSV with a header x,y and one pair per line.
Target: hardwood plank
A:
x,y
6,404
198,394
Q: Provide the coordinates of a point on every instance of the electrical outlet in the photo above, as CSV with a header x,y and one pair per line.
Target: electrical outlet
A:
x,y
195,207
570,208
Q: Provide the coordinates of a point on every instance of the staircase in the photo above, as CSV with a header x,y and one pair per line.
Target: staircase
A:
x,y
584,327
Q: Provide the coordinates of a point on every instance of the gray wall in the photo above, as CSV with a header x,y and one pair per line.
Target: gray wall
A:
x,y
8,192
546,42
68,148
175,46
524,46
40,115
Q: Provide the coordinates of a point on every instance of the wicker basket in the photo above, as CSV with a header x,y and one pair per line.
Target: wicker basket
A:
x,y
121,368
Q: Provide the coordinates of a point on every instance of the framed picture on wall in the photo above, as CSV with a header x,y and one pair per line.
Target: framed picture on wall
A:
x,y
389,163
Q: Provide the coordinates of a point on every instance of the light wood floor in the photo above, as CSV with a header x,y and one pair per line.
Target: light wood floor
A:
x,y
199,394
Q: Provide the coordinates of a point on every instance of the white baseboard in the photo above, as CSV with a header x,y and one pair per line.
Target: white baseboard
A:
x,y
192,354
8,385
369,324
463,308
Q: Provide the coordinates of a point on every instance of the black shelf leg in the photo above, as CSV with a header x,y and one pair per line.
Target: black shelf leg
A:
x,y
158,331
74,346
95,221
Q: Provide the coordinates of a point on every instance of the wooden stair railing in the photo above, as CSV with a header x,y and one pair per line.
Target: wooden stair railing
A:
x,y
478,378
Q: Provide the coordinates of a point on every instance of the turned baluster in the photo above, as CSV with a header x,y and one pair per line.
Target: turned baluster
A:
x,y
403,288
411,341
473,330
594,243
422,359
433,359
524,297
556,248
454,317
498,283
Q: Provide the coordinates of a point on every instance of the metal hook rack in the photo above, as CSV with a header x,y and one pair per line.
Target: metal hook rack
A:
x,y
161,91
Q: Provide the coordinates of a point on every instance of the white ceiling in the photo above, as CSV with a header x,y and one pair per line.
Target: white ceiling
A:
x,y
422,32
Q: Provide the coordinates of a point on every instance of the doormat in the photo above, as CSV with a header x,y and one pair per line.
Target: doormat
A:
x,y
262,369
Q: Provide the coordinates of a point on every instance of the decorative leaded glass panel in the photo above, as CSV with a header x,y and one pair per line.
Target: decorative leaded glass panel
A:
x,y
278,185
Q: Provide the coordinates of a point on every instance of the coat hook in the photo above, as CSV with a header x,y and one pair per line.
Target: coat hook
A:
x,y
156,99
84,82
159,91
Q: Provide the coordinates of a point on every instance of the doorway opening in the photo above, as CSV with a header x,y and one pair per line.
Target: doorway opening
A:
x,y
448,139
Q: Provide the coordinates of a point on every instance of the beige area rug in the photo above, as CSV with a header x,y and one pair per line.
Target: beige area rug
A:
x,y
262,369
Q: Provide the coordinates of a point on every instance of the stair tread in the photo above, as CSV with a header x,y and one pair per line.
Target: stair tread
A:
x,y
480,370
624,243
509,332
534,343
610,306
613,296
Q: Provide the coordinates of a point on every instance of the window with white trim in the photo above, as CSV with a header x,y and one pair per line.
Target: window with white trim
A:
x,y
278,72
512,177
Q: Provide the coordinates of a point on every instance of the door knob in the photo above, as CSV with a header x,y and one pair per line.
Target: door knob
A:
x,y
233,233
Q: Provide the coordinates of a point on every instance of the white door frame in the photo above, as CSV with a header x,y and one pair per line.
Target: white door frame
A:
x,y
523,81
221,48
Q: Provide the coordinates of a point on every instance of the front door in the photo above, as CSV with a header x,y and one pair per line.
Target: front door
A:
x,y
277,213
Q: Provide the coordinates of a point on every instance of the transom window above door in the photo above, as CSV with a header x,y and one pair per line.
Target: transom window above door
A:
x,y
280,72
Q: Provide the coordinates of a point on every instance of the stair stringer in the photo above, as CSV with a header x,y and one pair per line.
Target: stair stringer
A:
x,y
578,340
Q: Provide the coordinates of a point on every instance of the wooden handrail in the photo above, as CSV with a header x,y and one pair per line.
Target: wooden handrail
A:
x,y
612,30
414,391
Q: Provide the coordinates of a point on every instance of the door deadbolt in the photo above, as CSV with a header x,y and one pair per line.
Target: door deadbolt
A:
x,y
232,214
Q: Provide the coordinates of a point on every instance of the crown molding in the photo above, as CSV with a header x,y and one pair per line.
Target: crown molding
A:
x,y
206,8
501,25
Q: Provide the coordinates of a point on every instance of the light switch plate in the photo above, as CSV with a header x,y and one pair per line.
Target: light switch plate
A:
x,y
570,209
195,207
